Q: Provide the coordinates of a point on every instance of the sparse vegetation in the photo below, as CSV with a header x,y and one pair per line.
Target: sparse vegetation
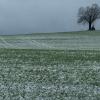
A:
x,y
49,74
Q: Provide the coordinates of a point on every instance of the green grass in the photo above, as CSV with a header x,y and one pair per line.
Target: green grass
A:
x,y
50,66
27,74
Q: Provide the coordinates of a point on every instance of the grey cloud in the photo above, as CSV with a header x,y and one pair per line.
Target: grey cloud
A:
x,y
29,16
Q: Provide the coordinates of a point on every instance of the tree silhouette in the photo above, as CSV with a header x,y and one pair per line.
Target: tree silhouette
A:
x,y
89,15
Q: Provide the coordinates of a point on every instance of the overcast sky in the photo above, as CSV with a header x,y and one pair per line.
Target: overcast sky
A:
x,y
30,16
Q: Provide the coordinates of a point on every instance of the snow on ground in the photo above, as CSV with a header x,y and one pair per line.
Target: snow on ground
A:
x,y
62,41
49,75
71,72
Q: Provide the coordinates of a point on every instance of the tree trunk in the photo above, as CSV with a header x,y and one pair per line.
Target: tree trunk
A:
x,y
89,26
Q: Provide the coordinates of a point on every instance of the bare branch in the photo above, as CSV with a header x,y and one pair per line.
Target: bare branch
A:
x,y
89,14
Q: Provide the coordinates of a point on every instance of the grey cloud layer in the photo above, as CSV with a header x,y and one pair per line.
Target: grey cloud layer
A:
x,y
27,16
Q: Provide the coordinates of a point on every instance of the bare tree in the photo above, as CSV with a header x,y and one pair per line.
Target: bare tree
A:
x,y
89,15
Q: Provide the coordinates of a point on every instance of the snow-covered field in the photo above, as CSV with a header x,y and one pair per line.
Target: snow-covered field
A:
x,y
73,41
58,67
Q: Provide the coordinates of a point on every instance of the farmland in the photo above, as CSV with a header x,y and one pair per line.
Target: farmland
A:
x,y
61,41
50,66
